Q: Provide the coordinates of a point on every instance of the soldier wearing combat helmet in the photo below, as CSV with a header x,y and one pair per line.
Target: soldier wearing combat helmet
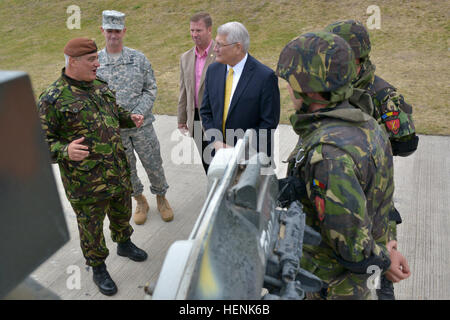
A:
x,y
347,168
389,109
81,121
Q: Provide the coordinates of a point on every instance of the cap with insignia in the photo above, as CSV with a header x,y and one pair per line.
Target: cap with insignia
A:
x,y
113,19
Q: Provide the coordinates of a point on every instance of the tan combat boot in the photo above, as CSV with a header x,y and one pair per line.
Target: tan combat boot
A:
x,y
140,215
164,208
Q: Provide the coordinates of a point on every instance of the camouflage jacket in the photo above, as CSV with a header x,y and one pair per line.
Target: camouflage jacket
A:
x,y
71,109
390,110
133,80
347,166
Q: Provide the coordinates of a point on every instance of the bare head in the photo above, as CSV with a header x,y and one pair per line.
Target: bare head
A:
x,y
201,29
232,43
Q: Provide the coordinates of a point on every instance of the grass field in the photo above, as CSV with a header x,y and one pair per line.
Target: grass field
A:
x,y
411,50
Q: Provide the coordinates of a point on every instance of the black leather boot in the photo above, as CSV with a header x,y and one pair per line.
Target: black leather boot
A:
x,y
103,280
128,249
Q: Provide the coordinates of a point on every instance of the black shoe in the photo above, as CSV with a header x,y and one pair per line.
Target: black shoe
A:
x,y
386,291
103,280
128,249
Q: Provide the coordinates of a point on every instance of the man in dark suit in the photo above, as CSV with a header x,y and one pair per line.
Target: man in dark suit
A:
x,y
240,93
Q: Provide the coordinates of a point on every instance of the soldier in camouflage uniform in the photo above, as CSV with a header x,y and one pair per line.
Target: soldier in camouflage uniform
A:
x,y
389,109
346,165
130,75
81,121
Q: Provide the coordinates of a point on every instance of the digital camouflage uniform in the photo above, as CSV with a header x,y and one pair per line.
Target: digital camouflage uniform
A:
x,y
99,184
346,164
131,77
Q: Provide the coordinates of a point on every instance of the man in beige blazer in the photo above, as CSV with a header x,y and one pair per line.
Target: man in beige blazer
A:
x,y
193,66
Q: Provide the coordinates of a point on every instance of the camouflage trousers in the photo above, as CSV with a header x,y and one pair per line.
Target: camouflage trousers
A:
x,y
351,287
145,142
90,217
340,283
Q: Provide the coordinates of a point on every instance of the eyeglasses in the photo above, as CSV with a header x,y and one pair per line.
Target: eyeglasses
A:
x,y
220,46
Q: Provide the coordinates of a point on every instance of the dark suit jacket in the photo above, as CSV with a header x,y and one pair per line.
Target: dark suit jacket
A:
x,y
255,103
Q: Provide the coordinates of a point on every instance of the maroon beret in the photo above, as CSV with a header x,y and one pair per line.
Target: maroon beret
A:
x,y
80,46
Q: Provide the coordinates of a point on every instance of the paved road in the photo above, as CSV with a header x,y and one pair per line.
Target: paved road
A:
x,y
422,197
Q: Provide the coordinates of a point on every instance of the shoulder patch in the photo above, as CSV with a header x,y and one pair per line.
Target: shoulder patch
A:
x,y
389,114
320,207
393,125
391,121
317,183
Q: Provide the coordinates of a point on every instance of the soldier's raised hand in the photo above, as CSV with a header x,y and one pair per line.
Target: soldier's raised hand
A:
x,y
77,151
138,119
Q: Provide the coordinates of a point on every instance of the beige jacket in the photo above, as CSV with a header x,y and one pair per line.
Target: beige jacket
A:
x,y
186,100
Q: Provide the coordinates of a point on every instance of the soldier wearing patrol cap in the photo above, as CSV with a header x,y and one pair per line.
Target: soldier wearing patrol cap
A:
x,y
81,121
389,109
130,74
346,166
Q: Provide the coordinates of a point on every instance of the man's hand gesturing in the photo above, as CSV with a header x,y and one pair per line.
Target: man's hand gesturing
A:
x,y
77,151
137,119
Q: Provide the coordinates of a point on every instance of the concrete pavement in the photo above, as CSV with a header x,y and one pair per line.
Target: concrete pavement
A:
x,y
421,196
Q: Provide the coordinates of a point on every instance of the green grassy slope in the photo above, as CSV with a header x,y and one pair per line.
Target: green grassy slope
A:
x,y
411,50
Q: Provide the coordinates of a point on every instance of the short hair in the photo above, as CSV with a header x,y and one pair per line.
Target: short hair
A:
x,y
66,58
235,32
204,16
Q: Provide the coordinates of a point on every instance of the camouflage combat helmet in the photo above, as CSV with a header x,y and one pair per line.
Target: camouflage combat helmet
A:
x,y
318,62
355,34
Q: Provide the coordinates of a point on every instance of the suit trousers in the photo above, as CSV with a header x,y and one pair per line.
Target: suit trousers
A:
x,y
199,138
